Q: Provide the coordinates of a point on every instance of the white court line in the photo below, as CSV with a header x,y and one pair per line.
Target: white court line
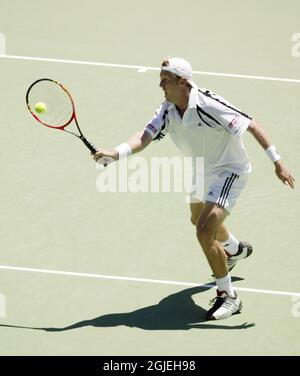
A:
x,y
142,69
144,280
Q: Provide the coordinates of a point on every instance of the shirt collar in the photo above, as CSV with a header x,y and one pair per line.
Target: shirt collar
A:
x,y
193,97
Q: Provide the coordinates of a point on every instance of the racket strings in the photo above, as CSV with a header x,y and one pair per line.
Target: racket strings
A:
x,y
62,116
59,106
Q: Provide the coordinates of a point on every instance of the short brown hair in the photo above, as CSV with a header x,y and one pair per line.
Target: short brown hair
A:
x,y
165,63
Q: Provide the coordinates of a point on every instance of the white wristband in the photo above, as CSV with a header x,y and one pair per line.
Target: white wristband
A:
x,y
273,153
124,150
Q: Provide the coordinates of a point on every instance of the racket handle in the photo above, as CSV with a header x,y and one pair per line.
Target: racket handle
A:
x,y
90,146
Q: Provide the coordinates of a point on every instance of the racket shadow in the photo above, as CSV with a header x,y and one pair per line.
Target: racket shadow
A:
x,y
175,312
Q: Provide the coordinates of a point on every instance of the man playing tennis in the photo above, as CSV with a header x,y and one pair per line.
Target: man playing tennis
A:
x,y
203,124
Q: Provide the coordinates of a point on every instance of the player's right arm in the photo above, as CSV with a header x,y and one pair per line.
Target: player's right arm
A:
x,y
139,141
136,143
154,130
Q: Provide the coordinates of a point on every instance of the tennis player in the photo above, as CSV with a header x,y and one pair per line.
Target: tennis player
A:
x,y
203,124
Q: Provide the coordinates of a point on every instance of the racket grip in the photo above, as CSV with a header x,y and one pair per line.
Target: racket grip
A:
x,y
90,146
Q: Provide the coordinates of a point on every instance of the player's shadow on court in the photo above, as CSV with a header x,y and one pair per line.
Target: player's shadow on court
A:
x,y
175,312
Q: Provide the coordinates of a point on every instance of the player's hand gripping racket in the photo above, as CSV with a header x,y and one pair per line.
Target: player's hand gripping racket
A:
x,y
51,104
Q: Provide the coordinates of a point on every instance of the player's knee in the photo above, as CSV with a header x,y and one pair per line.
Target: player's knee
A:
x,y
205,231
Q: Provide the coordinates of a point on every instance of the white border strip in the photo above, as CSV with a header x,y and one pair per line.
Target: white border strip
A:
x,y
143,69
144,280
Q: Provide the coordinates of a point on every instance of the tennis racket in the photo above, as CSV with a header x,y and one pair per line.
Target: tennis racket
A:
x,y
58,108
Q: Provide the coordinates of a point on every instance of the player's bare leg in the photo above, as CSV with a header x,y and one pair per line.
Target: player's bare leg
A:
x,y
211,218
227,303
235,250
222,234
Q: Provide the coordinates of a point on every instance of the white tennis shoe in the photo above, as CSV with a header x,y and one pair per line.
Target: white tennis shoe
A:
x,y
224,306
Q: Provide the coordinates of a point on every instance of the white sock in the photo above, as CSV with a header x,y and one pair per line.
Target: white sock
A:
x,y
231,245
224,284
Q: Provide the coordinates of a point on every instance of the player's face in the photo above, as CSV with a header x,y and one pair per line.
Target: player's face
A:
x,y
170,85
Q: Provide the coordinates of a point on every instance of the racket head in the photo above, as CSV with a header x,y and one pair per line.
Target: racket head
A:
x,y
60,108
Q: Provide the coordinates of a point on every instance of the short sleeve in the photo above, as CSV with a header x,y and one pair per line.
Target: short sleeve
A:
x,y
221,112
234,123
158,126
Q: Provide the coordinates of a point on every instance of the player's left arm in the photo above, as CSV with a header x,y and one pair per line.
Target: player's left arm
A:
x,y
261,136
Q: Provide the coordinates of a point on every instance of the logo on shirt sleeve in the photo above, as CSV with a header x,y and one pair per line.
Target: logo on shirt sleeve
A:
x,y
233,122
152,128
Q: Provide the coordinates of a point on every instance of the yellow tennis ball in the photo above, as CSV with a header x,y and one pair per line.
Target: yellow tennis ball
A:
x,y
40,107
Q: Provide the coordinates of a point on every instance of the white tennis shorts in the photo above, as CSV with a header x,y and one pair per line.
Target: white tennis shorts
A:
x,y
223,188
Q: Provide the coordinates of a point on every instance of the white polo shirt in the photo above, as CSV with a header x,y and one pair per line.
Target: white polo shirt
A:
x,y
211,127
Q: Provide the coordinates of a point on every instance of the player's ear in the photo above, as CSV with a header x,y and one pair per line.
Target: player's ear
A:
x,y
183,81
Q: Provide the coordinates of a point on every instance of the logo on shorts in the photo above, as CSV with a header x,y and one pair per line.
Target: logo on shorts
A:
x,y
233,122
210,193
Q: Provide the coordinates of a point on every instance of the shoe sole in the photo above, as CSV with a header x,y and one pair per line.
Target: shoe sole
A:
x,y
249,253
